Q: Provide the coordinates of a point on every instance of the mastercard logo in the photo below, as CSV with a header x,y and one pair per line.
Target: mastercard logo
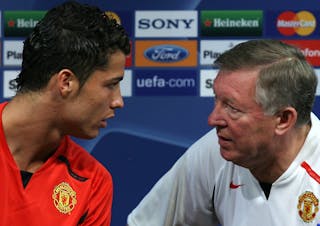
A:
x,y
302,23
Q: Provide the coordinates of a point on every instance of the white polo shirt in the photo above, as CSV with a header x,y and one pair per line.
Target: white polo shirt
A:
x,y
203,189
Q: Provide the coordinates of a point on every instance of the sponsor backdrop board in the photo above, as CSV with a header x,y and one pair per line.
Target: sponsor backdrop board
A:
x,y
168,78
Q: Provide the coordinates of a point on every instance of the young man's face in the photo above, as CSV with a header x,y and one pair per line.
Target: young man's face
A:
x,y
244,131
97,100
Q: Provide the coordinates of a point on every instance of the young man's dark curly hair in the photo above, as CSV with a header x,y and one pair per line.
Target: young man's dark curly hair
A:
x,y
73,36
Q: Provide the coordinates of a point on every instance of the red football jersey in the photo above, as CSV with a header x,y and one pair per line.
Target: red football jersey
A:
x,y
70,188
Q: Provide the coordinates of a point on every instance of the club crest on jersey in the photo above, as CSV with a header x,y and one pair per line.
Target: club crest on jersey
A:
x,y
308,206
64,198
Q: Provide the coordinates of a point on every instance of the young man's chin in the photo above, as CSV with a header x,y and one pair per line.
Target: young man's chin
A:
x,y
88,135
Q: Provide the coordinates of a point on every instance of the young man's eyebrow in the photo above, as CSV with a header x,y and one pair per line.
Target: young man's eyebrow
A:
x,y
117,79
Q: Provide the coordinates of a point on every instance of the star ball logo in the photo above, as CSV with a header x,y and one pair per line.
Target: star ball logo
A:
x,y
302,23
114,16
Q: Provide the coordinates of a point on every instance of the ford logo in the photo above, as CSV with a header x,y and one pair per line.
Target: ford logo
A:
x,y
166,53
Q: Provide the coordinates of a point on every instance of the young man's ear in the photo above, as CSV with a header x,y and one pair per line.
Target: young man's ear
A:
x,y
286,119
67,82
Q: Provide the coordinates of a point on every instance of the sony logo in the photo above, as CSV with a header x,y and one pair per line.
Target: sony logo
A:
x,y
170,23
159,23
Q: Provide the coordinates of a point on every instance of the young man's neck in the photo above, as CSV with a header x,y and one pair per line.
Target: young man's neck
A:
x,y
30,131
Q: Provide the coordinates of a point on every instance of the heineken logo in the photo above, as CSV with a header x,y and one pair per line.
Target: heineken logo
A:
x,y
20,23
242,22
231,23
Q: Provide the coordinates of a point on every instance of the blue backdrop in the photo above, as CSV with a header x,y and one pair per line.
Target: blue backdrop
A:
x,y
153,130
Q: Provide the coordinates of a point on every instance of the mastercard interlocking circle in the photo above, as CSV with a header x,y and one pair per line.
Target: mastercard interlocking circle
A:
x,y
302,23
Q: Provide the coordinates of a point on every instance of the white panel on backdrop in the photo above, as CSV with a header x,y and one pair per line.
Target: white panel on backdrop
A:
x,y
12,53
318,87
171,23
211,49
126,84
206,82
9,84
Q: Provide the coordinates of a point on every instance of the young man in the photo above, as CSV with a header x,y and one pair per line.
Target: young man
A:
x,y
260,164
72,64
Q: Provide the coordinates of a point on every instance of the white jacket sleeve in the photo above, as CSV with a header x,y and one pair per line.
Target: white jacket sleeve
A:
x,y
183,196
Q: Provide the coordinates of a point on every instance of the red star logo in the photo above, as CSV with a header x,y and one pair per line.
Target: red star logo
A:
x,y
208,23
11,23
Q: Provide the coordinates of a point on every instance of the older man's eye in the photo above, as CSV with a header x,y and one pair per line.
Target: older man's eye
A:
x,y
233,112
233,109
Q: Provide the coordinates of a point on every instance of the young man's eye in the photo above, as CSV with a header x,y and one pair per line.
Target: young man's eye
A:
x,y
113,85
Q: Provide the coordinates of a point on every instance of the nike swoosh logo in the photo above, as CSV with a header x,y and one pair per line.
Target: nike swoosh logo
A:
x,y
234,186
